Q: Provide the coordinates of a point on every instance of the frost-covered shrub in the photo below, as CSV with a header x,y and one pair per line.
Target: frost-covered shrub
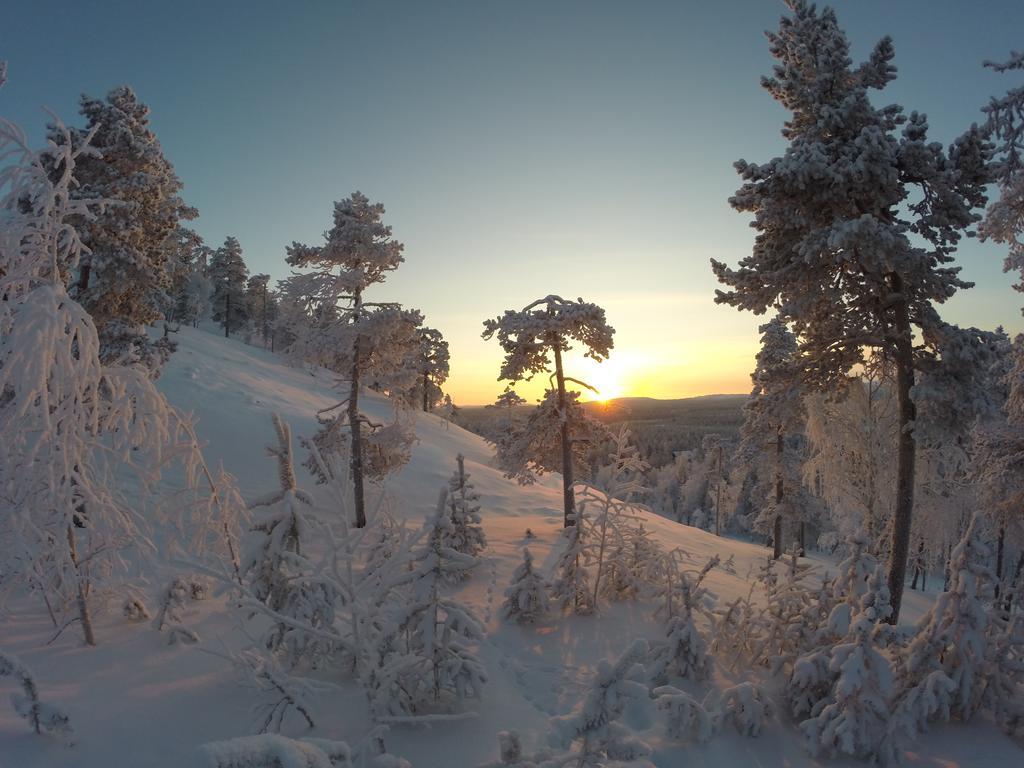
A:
x,y
614,559
571,587
526,598
467,534
276,694
274,751
855,590
43,717
855,569
134,607
952,636
686,718
421,657
278,569
810,683
745,707
779,620
855,717
595,728
684,651
170,617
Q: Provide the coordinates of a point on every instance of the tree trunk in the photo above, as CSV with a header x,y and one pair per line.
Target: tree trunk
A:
x,y
803,538
568,496
83,604
779,491
906,449
918,564
264,319
1000,545
227,314
83,280
355,426
718,496
1008,596
947,573
426,387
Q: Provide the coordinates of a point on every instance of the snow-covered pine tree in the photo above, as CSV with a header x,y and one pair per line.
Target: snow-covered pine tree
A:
x,y
684,651
773,420
811,678
467,533
687,718
855,570
842,267
423,659
534,448
531,337
260,300
358,252
596,725
783,626
952,637
526,598
391,352
122,280
277,567
191,298
448,410
854,719
1004,220
642,556
1004,689
664,492
1000,446
182,246
433,366
508,401
228,273
571,587
746,707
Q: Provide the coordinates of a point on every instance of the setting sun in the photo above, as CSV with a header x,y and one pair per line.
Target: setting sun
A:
x,y
607,381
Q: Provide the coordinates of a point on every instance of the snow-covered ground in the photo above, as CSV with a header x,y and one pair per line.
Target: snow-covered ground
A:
x,y
136,701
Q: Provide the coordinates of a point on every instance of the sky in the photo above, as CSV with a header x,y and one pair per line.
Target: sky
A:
x,y
520,148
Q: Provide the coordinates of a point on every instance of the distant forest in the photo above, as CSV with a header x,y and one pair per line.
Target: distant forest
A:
x,y
660,428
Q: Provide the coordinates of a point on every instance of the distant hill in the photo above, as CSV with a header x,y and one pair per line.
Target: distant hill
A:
x,y
705,410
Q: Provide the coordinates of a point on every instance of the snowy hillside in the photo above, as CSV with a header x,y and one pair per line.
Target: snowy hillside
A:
x,y
136,701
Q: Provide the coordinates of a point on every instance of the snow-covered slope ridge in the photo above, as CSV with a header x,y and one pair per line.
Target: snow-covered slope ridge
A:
x,y
137,702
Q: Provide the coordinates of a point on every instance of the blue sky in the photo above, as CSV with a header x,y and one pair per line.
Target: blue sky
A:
x,y
521,149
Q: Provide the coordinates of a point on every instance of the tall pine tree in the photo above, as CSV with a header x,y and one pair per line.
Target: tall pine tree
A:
x,y
358,252
857,224
774,419
543,330
123,278
229,275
